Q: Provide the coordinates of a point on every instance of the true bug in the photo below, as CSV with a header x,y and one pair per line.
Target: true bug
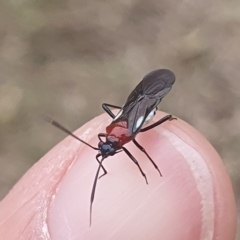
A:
x,y
138,110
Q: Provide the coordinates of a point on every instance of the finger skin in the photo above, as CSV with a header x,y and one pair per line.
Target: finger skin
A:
x,y
193,199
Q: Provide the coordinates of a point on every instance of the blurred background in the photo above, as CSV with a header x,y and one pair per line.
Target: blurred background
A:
x,y
64,58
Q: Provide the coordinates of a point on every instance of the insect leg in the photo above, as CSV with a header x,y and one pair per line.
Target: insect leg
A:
x,y
94,189
162,120
106,108
136,162
143,150
103,168
101,135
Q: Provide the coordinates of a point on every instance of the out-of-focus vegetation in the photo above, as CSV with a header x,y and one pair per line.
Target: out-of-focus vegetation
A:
x,y
63,58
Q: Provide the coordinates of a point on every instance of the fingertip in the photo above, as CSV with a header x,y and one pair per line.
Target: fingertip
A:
x,y
193,199
185,195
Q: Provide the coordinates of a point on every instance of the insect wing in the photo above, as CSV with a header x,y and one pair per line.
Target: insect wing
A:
x,y
157,83
145,98
137,116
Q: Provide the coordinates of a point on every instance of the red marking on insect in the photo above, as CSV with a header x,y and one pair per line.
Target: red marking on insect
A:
x,y
138,110
118,133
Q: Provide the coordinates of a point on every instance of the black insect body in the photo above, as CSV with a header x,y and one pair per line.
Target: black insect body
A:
x,y
138,110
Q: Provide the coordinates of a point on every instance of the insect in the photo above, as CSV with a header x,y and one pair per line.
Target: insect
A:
x,y
139,109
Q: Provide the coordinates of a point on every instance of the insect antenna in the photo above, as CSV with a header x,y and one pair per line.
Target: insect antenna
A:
x,y
59,126
94,187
